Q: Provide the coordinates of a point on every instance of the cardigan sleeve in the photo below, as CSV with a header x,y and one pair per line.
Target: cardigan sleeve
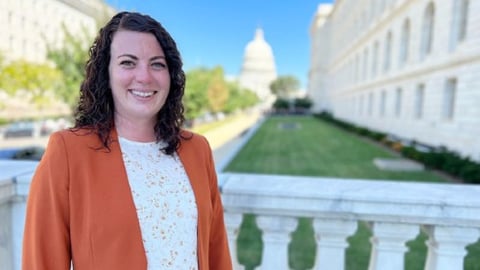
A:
x,y
219,250
46,242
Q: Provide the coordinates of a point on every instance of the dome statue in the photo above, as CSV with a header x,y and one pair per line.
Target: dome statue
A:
x,y
258,69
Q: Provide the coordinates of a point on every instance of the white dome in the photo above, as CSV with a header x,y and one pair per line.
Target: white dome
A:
x,y
258,68
258,54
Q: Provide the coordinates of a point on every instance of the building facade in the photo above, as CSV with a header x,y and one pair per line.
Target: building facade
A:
x,y
410,68
28,27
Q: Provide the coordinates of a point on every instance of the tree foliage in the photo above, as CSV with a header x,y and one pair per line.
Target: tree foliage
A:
x,y
195,99
32,78
208,91
239,98
70,60
284,86
217,90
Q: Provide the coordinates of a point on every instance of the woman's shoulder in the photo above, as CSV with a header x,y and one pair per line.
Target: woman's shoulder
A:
x,y
75,137
71,133
188,135
189,138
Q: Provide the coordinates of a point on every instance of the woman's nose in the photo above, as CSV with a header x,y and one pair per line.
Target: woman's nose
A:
x,y
143,74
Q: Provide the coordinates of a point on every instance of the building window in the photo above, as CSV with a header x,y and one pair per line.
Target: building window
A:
x,y
460,22
383,101
449,99
382,6
419,97
427,31
365,64
370,104
357,68
388,49
361,106
462,31
405,41
398,102
375,59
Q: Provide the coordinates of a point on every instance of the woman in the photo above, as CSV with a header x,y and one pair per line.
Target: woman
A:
x,y
126,187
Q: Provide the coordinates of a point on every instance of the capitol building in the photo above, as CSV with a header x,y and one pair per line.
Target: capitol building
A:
x,y
409,68
258,68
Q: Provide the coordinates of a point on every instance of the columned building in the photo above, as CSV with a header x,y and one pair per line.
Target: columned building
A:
x,y
410,68
29,26
258,68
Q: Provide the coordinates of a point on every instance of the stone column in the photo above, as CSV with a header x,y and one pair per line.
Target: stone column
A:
x,y
232,224
446,246
331,235
388,245
276,236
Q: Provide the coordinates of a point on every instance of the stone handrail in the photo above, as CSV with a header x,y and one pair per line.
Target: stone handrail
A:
x,y
15,177
449,213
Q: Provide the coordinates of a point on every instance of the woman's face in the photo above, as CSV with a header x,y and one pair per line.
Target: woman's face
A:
x,y
139,76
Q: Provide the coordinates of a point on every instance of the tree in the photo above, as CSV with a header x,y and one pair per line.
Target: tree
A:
x,y
70,60
35,79
217,90
195,100
239,98
207,90
72,57
284,86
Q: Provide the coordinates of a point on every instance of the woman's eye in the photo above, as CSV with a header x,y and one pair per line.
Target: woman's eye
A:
x,y
127,63
159,65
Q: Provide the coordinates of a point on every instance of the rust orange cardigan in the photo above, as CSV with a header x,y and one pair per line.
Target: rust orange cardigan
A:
x,y
80,208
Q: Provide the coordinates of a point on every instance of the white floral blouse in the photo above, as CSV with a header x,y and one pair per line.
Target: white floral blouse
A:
x,y
165,204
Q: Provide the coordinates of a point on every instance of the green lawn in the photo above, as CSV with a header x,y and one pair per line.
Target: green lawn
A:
x,y
298,145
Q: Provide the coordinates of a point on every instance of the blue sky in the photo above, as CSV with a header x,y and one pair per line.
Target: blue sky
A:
x,y
211,33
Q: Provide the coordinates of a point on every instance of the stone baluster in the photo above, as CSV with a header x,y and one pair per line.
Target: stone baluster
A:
x,y
446,246
388,245
276,235
331,235
232,224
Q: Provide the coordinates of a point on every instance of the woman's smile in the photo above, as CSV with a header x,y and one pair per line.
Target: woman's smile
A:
x,y
142,94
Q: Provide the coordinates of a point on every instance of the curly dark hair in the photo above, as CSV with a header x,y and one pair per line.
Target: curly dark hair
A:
x,y
95,109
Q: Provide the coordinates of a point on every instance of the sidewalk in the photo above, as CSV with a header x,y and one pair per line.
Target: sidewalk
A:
x,y
224,139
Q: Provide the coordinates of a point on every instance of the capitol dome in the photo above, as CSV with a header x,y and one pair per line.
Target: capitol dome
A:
x,y
258,68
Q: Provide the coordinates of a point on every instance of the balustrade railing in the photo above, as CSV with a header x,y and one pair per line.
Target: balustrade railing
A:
x,y
15,177
396,212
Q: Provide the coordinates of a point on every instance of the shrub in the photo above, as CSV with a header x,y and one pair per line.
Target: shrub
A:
x,y
470,172
303,103
281,103
453,162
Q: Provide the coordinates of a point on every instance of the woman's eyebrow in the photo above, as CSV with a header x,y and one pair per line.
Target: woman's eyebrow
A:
x,y
158,57
136,58
128,55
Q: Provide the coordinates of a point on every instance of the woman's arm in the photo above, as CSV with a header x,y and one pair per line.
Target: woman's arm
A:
x,y
46,240
219,250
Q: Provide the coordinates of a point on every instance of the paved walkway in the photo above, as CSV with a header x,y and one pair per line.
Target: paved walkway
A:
x,y
224,139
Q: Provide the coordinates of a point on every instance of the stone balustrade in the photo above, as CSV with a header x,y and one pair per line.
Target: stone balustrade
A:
x,y
15,177
396,211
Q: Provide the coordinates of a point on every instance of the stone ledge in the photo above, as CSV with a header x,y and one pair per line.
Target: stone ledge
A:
x,y
397,164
